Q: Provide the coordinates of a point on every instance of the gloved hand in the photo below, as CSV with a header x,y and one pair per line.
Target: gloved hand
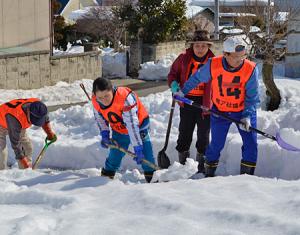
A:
x,y
138,150
175,87
105,139
24,163
179,93
51,138
48,130
246,124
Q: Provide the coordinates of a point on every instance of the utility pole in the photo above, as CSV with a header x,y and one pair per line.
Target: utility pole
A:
x,y
217,10
51,27
268,18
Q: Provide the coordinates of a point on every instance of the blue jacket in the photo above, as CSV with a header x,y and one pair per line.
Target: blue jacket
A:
x,y
204,75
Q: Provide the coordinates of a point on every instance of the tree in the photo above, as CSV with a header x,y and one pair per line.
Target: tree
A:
x,y
154,20
263,44
102,23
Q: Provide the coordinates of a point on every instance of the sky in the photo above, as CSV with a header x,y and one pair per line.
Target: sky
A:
x,y
67,195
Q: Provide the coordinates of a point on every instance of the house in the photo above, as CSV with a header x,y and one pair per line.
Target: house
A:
x,y
229,3
63,4
75,5
24,26
292,57
75,8
204,18
26,61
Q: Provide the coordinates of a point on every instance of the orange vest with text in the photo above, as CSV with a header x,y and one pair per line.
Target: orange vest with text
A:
x,y
14,108
228,88
194,66
113,113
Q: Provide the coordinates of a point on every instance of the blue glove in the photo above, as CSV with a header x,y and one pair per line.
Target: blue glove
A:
x,y
138,150
105,139
175,87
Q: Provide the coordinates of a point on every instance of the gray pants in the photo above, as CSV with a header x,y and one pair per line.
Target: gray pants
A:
x,y
25,143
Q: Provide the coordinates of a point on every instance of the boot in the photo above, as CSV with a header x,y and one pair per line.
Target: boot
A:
x,y
109,174
247,168
24,163
200,159
183,156
210,168
148,176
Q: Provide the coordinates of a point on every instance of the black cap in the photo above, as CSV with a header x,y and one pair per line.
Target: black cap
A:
x,y
38,113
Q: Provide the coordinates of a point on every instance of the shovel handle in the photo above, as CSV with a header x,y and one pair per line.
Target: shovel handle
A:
x,y
169,125
131,154
83,88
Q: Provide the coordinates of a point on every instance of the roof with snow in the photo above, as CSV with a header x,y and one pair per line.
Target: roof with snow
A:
x,y
192,11
63,4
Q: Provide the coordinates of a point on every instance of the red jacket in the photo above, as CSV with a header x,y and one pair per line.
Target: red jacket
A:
x,y
179,69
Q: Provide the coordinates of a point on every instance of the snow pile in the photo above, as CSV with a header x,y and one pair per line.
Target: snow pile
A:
x,y
157,71
113,63
78,137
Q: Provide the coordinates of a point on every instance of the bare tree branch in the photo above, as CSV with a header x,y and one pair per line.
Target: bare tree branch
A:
x,y
101,23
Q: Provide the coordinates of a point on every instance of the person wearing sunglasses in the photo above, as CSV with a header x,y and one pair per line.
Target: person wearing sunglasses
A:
x,y
234,82
15,117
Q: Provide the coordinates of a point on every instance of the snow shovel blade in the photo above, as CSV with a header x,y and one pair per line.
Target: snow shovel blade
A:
x,y
163,160
284,144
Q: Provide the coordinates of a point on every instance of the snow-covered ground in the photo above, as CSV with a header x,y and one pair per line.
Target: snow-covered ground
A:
x,y
80,201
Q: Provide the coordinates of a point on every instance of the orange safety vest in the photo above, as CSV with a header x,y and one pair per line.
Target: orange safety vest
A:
x,y
228,88
113,113
14,108
194,66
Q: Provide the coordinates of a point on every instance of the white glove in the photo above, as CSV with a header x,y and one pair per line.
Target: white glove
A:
x,y
246,124
179,93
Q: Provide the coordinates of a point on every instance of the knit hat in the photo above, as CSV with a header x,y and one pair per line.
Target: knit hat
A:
x,y
201,36
38,113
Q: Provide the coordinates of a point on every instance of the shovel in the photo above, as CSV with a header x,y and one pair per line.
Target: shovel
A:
x,y
40,156
115,145
162,158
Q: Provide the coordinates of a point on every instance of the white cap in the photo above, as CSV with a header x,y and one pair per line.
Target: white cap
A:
x,y
233,44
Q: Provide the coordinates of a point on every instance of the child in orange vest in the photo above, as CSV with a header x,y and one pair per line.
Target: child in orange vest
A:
x,y
120,109
235,92
15,117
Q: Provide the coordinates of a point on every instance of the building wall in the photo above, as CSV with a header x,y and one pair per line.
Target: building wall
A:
x,y
141,53
292,58
24,23
156,52
38,69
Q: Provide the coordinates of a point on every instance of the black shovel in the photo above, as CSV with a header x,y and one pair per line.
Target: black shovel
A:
x,y
162,158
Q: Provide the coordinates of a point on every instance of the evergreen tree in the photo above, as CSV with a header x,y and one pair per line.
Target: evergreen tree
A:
x,y
154,20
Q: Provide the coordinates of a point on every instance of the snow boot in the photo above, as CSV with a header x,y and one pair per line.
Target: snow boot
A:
x,y
200,159
210,168
109,174
148,176
183,156
247,167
